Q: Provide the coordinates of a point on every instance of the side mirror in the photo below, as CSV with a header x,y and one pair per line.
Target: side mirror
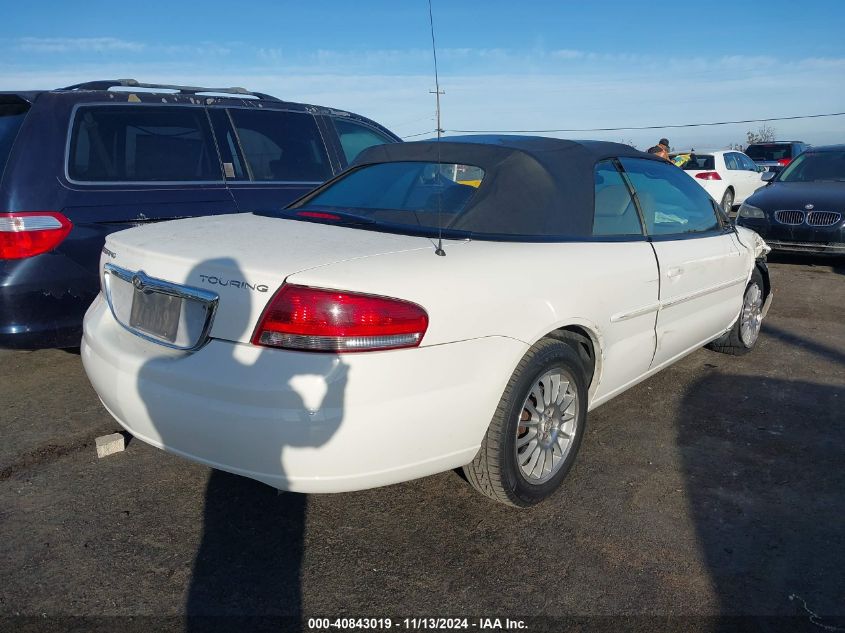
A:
x,y
761,169
767,176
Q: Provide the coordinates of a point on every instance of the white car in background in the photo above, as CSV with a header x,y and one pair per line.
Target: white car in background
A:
x,y
727,175
396,322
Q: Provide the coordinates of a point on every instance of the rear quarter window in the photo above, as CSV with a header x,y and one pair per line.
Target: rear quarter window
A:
x,y
355,138
113,143
615,212
281,146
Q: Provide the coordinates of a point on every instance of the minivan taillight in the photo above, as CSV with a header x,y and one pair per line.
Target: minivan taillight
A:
x,y
319,320
27,233
784,161
709,175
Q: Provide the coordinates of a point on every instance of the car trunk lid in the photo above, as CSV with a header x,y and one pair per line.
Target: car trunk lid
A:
x,y
242,259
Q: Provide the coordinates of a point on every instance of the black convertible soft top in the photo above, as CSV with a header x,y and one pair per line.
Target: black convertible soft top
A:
x,y
545,183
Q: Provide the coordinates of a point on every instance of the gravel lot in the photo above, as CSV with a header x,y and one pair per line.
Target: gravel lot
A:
x,y
716,488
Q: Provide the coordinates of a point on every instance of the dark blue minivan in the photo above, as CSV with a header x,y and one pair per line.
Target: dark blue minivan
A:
x,y
81,162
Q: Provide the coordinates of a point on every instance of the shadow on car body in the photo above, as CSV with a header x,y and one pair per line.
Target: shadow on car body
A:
x,y
246,573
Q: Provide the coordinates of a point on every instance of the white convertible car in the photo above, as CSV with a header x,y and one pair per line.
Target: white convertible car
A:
x,y
399,322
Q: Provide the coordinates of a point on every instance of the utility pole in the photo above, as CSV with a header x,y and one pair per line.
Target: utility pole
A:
x,y
437,94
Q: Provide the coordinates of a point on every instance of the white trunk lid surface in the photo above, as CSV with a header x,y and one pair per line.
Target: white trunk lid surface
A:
x,y
244,258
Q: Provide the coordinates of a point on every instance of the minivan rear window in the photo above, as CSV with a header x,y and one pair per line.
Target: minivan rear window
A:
x,y
11,119
769,152
138,143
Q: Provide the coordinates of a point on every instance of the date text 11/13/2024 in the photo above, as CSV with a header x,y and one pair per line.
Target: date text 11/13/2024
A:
x,y
416,624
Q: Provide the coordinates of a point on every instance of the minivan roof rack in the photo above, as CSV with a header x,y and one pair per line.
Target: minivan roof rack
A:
x,y
106,84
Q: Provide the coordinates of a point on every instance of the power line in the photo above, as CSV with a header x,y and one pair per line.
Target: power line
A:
x,y
421,134
393,126
644,127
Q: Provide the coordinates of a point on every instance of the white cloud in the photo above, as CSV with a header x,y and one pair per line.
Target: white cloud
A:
x,y
567,54
566,92
270,54
203,49
77,44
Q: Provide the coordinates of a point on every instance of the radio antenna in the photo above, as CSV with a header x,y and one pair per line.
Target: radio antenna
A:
x,y
437,92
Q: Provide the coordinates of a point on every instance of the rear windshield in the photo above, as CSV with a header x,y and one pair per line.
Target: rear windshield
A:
x,y
815,167
11,118
694,162
421,195
769,152
138,143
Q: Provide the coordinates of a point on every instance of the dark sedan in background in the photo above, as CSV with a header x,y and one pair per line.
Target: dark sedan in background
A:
x,y
802,207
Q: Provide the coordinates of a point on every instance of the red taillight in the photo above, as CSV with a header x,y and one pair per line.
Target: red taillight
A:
x,y
27,233
784,161
320,320
709,175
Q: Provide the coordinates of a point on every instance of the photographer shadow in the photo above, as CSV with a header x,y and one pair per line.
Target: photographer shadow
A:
x,y
762,460
246,409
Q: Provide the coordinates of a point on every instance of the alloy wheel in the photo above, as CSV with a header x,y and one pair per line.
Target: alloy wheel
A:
x,y
751,319
547,426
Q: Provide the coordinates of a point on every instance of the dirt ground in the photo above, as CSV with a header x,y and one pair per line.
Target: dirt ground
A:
x,y
714,490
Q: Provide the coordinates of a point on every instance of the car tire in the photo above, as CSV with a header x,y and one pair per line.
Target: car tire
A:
x,y
510,466
742,337
727,201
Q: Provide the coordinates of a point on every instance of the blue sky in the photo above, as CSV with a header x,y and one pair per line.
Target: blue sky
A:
x,y
503,65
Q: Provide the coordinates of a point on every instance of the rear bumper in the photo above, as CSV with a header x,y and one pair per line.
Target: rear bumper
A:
x,y
48,335
302,421
42,302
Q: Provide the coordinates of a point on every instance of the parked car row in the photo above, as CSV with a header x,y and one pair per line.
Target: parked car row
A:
x,y
405,319
353,311
79,163
793,195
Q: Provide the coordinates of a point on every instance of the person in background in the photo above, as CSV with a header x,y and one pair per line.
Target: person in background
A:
x,y
661,151
665,143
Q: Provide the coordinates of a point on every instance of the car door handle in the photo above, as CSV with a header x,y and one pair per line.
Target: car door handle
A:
x,y
675,271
